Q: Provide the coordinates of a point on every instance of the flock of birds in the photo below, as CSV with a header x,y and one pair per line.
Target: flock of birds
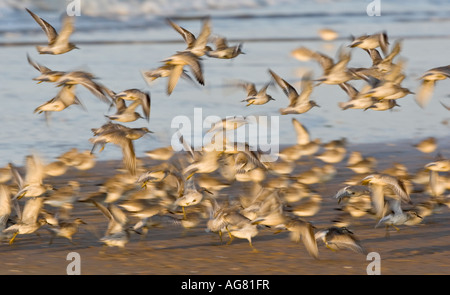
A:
x,y
188,187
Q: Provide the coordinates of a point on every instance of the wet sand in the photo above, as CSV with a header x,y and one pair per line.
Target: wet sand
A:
x,y
173,250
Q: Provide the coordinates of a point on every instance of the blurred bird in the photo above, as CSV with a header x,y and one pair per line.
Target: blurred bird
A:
x,y
301,230
178,61
86,79
196,45
356,101
28,221
57,43
47,75
121,136
137,95
298,103
223,51
429,79
256,97
372,42
32,186
428,145
117,233
65,229
340,238
65,98
327,34
378,183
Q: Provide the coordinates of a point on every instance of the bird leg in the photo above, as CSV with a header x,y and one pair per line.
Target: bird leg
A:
x,y
13,238
184,212
253,248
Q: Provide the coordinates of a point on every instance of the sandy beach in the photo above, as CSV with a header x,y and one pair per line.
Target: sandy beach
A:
x,y
174,250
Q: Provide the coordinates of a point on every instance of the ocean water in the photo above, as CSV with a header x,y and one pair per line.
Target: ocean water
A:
x,y
118,39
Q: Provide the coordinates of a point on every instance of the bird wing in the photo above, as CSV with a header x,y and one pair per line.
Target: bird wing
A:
x,y
301,132
175,75
67,95
307,88
37,66
35,170
188,37
425,93
48,29
309,240
66,30
31,210
287,88
202,38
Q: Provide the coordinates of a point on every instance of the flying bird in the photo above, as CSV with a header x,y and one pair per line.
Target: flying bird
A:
x,y
57,43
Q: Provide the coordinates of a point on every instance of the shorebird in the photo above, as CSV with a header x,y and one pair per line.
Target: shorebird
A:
x,y
399,217
47,75
121,136
125,113
435,167
256,97
308,206
32,186
55,168
57,43
228,219
191,195
427,145
86,79
333,73
332,155
163,71
359,164
328,34
384,65
340,238
387,90
298,103
178,61
117,234
356,100
64,197
384,105
136,95
65,229
372,42
65,98
378,183
356,200
196,45
29,222
162,154
307,146
429,79
223,51
301,230
352,191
